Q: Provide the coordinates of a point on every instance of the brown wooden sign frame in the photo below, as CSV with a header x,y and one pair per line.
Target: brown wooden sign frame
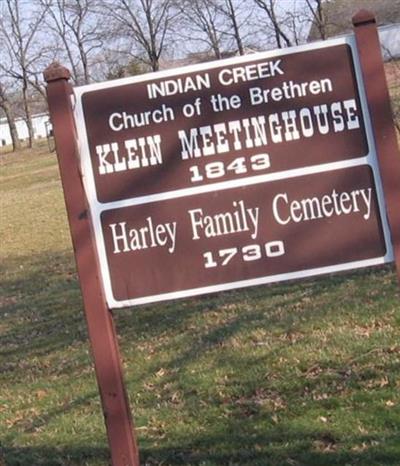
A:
x,y
370,55
149,182
102,334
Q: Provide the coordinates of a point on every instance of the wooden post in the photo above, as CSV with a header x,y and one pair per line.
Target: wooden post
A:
x,y
99,318
369,52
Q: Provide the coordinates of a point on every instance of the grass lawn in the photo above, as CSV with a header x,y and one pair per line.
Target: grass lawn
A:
x,y
301,374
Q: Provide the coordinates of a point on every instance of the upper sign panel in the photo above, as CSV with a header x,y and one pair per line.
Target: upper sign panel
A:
x,y
223,121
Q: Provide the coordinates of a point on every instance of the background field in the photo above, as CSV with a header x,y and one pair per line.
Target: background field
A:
x,y
302,374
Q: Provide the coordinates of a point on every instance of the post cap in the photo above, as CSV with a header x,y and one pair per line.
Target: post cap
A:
x,y
55,71
363,17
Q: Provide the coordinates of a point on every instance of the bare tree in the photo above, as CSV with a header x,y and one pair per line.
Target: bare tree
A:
x,y
295,21
318,16
145,24
19,29
236,12
77,27
270,8
203,22
6,106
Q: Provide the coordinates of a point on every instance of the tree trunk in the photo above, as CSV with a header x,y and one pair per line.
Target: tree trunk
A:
x,y
28,118
213,36
238,39
321,20
155,64
16,143
217,51
279,34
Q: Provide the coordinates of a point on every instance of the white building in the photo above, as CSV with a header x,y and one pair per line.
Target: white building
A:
x,y
389,37
40,123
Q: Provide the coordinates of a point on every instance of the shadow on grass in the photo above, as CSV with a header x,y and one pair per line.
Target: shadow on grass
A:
x,y
269,450
40,298
61,456
44,307
305,449
41,295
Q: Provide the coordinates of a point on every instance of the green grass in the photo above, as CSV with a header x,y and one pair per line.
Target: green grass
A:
x,y
301,374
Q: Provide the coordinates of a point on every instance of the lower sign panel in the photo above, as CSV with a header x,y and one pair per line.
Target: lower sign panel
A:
x,y
235,237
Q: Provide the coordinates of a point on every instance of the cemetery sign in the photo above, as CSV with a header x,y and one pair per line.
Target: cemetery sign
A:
x,y
233,173
245,171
